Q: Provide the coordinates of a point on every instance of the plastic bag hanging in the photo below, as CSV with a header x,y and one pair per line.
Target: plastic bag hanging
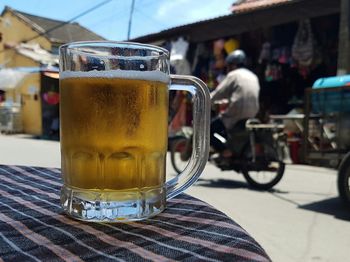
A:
x,y
302,50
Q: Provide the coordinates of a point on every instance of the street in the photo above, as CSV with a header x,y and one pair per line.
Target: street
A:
x,y
302,219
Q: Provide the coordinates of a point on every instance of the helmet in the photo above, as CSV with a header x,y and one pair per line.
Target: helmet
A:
x,y
236,57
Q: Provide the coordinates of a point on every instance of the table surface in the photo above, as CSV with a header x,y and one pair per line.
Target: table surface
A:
x,y
34,228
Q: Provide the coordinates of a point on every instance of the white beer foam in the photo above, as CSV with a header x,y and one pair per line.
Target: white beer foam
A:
x,y
124,74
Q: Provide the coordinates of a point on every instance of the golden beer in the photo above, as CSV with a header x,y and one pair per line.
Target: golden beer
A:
x,y
113,133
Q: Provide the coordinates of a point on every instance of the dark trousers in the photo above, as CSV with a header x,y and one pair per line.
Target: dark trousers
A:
x,y
217,126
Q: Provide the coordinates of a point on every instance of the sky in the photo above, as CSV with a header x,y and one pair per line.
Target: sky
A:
x,y
111,20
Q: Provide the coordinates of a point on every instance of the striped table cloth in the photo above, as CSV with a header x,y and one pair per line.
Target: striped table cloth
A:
x,y
34,228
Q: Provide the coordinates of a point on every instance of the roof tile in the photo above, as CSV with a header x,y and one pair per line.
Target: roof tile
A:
x,y
64,33
242,6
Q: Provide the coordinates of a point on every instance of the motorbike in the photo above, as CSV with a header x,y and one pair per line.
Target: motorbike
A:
x,y
258,153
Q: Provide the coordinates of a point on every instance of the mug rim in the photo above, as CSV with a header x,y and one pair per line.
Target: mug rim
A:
x,y
73,45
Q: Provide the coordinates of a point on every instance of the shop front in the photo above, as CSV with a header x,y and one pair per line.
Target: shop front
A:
x,y
288,46
30,102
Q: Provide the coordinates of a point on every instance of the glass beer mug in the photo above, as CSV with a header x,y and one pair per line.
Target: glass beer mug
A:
x,y
114,130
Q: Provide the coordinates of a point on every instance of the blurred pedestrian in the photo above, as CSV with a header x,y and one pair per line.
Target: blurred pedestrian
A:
x,y
240,90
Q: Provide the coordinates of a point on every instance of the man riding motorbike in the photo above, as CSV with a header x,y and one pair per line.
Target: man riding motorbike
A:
x,y
240,89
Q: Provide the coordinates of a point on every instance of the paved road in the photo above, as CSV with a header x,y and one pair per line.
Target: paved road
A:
x,y
302,219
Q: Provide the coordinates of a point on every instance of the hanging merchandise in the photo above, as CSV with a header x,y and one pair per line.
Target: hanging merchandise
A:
x,y
277,72
268,74
231,45
182,67
218,47
200,52
178,57
302,50
219,54
178,49
285,57
220,62
273,72
265,54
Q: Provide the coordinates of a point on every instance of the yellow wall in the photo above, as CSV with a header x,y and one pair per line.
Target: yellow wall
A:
x,y
11,95
14,30
29,92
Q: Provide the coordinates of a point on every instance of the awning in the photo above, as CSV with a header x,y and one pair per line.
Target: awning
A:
x,y
54,75
10,78
35,52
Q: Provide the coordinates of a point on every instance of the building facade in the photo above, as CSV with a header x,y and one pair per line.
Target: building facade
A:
x,y
30,43
37,34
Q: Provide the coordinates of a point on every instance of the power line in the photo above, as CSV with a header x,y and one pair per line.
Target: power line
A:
x,y
64,23
150,17
117,16
70,20
130,18
134,16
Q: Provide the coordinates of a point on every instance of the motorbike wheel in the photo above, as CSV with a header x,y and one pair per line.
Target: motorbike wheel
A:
x,y
344,180
266,171
180,154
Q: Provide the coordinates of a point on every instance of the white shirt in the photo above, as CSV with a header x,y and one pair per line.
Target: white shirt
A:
x,y
241,87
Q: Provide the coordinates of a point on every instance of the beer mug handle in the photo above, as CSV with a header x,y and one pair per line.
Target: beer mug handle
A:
x,y
201,125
